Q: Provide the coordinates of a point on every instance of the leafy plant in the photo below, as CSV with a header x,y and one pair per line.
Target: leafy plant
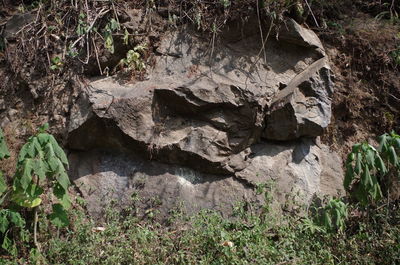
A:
x,y
82,27
133,59
367,168
111,26
42,162
41,165
11,220
334,215
56,63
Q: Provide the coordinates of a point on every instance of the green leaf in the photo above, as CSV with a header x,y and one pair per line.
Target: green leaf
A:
x,y
3,185
59,152
350,158
381,165
4,153
366,177
109,43
4,221
327,221
114,25
63,180
43,138
44,127
49,151
62,195
40,168
26,177
59,216
348,178
17,219
53,164
392,156
370,158
383,142
356,148
357,168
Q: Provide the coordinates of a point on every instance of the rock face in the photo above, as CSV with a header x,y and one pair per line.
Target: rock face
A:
x,y
198,130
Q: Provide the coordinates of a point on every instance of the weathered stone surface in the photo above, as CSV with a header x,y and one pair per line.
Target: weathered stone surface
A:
x,y
103,177
192,130
303,108
293,167
302,166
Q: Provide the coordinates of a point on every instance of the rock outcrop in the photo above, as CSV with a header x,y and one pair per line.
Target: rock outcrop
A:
x,y
199,129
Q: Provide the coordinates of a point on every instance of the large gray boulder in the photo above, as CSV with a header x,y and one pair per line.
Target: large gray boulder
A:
x,y
303,108
192,130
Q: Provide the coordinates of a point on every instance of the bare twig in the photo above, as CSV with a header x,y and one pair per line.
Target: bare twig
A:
x,y
261,31
312,13
97,56
102,12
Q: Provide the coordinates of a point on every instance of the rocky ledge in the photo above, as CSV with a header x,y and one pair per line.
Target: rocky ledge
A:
x,y
209,124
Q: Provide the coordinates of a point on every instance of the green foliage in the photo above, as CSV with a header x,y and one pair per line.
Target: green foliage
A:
x,y
42,161
82,26
133,59
210,238
111,27
396,56
56,63
334,215
9,221
4,153
368,168
41,165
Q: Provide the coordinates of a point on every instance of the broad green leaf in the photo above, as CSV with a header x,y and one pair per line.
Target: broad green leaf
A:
x,y
36,145
49,151
33,191
350,158
40,168
31,148
392,156
338,217
63,180
383,142
22,153
356,148
370,158
366,177
58,150
26,177
381,165
62,196
43,138
357,168
54,164
327,220
59,216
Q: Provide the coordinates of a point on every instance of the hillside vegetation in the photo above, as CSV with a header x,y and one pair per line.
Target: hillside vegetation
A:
x,y
43,218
